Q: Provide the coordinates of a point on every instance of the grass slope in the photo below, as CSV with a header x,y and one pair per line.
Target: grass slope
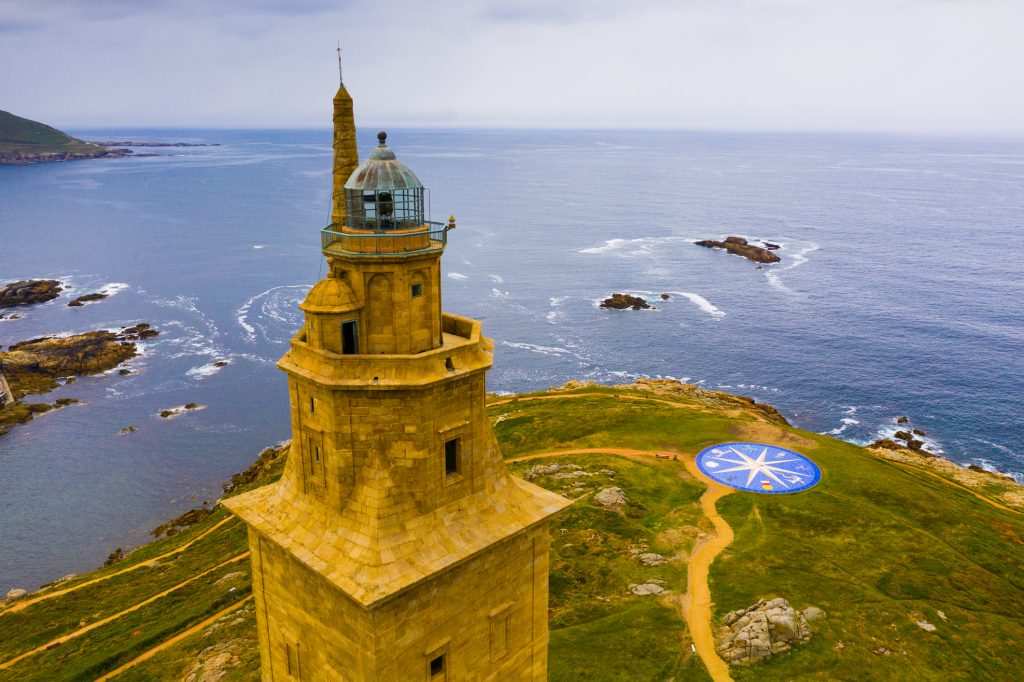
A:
x,y
17,133
880,545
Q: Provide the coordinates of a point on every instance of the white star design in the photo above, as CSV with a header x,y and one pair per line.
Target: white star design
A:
x,y
760,466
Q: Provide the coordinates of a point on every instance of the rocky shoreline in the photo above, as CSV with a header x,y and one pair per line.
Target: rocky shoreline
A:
x,y
103,150
39,365
19,157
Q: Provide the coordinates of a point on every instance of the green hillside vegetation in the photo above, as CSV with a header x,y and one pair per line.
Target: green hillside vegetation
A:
x,y
880,545
31,136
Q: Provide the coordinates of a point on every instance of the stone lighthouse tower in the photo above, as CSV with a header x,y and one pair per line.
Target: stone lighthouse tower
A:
x,y
395,546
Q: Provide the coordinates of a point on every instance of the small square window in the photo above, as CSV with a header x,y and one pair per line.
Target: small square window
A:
x,y
417,290
451,457
437,666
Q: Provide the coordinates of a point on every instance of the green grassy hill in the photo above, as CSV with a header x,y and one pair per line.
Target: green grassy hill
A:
x,y
30,140
880,544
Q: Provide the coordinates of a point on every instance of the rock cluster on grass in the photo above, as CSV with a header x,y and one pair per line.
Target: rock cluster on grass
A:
x,y
740,247
764,629
623,301
29,291
562,471
610,497
646,589
651,559
16,593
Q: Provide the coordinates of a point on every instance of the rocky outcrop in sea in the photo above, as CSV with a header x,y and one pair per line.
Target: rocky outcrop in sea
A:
x,y
29,291
740,247
623,301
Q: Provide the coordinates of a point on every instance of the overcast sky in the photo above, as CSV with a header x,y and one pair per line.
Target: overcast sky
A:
x,y
890,65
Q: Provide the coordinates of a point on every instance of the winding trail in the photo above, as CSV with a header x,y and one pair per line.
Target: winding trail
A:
x,y
103,621
146,655
25,603
948,481
696,604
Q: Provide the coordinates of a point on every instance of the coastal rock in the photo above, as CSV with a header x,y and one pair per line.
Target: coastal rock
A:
x,y
16,593
813,614
902,420
926,626
29,291
54,357
213,663
87,298
610,497
139,332
175,526
651,559
646,589
623,301
114,557
772,247
763,630
41,365
552,470
740,247
665,297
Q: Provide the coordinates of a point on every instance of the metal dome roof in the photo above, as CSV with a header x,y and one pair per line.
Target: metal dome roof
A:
x,y
330,295
382,170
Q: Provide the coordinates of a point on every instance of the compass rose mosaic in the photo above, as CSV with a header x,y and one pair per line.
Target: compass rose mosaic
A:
x,y
758,468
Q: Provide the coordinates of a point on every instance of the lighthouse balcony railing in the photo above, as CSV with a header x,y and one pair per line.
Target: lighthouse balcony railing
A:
x,y
349,239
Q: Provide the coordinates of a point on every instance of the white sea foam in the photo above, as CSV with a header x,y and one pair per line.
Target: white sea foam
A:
x,y
632,248
259,246
701,302
796,259
497,278
497,293
845,423
534,348
114,288
277,304
1002,448
204,371
457,275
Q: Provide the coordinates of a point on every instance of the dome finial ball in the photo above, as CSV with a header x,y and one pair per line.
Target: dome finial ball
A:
x,y
382,137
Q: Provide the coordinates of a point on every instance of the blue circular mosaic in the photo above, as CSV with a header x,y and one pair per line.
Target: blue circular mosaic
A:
x,y
758,468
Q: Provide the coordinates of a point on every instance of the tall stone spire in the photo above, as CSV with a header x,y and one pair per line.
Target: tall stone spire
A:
x,y
396,546
346,154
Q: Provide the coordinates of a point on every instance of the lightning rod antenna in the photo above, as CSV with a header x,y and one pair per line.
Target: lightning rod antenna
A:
x,y
340,79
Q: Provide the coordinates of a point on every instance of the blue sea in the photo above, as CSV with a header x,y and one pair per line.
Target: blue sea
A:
x,y
899,293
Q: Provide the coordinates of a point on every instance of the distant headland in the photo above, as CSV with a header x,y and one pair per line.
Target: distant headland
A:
x,y
24,141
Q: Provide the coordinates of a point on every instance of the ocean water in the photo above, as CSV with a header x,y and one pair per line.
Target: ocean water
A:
x,y
899,293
